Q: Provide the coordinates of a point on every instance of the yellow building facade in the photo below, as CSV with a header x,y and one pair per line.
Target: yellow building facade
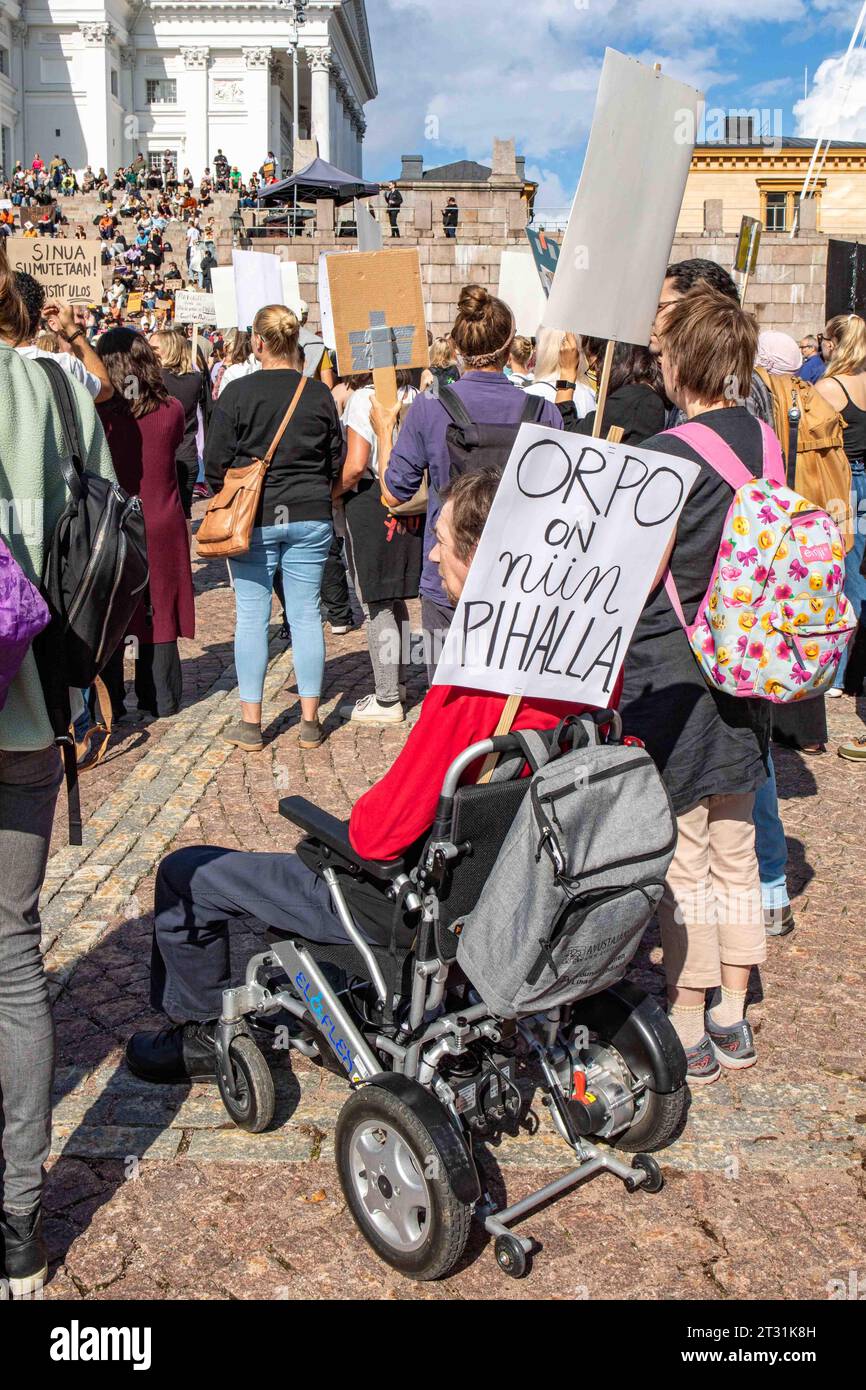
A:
x,y
762,181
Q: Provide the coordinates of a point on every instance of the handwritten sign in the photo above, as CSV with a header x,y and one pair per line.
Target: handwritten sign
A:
x,y
191,307
69,271
617,246
133,302
565,564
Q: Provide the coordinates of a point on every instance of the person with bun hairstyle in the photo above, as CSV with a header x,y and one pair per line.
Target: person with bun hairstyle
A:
x,y
843,386
293,527
483,336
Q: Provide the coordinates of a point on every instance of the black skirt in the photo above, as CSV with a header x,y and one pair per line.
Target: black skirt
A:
x,y
387,551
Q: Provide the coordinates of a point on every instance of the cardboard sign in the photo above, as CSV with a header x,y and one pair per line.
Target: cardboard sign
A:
x,y
258,282
378,311
519,286
622,224
369,230
133,302
192,307
546,255
565,564
326,313
164,306
748,246
69,271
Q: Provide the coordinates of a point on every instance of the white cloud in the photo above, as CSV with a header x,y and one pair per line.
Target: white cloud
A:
x,y
552,194
838,109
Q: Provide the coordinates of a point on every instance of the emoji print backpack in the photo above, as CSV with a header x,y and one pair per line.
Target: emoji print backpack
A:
x,y
775,620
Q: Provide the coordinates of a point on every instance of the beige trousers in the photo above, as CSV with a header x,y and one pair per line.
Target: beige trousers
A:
x,y
711,912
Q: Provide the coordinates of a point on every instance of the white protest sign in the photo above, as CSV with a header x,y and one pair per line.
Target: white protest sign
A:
x,y
522,291
258,282
222,280
291,295
564,567
369,230
617,247
326,312
191,307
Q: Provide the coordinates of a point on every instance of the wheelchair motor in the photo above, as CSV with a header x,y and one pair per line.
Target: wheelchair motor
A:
x,y
436,1076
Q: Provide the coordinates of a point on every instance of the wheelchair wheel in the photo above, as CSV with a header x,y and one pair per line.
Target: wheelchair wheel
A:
x,y
659,1121
511,1257
392,1178
253,1109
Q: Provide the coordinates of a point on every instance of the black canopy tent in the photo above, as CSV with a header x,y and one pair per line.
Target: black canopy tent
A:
x,y
318,181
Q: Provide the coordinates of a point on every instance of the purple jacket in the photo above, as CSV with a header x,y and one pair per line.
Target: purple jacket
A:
x,y
490,399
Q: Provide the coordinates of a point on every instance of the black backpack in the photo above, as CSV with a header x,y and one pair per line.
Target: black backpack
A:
x,y
472,446
95,575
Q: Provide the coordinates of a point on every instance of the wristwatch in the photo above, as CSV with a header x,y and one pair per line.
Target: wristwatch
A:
x,y
565,385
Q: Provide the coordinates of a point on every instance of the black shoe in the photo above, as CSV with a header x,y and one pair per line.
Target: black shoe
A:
x,y
23,1256
182,1052
779,921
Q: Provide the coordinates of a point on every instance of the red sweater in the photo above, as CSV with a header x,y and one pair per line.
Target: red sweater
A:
x,y
397,811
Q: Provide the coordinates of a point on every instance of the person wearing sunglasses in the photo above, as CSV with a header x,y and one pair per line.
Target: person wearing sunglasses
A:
x,y
814,366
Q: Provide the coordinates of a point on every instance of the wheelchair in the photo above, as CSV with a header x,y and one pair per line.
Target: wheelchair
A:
x,y
434,1073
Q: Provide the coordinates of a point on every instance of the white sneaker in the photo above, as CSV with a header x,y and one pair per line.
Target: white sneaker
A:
x,y
340,630
369,711
834,694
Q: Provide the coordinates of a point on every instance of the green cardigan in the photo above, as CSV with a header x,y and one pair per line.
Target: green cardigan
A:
x,y
32,497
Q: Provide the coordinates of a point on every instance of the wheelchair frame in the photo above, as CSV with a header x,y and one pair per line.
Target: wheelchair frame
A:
x,y
316,1006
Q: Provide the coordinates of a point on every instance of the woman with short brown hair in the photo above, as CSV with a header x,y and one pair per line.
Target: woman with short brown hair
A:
x,y
710,747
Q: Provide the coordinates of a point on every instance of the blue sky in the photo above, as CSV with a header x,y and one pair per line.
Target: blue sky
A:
x,y
453,74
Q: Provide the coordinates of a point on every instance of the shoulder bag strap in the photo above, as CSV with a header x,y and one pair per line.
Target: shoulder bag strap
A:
x,y
532,409
71,461
269,456
455,408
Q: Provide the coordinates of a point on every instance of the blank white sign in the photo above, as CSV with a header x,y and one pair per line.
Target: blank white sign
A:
x,y
522,291
622,224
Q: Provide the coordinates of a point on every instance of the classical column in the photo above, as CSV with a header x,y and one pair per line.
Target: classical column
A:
x,y
195,103
97,137
361,129
258,94
345,124
275,142
130,133
19,138
320,110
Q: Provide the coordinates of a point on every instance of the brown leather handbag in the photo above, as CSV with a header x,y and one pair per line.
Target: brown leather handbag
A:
x,y
227,527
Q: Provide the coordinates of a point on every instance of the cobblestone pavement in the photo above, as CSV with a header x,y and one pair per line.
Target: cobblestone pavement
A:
x,y
152,1193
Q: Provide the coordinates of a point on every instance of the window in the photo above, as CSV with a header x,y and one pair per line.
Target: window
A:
x,y
780,202
4,61
161,89
775,217
115,88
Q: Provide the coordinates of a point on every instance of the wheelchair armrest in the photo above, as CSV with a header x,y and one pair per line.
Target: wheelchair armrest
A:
x,y
327,830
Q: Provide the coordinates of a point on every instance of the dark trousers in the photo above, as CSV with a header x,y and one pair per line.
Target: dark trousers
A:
x,y
392,218
436,619
334,592
199,891
158,679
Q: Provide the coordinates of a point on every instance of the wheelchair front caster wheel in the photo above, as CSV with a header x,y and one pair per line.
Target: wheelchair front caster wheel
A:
x,y
252,1108
654,1182
511,1257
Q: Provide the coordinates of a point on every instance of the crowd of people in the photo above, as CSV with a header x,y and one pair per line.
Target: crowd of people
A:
x,y
358,516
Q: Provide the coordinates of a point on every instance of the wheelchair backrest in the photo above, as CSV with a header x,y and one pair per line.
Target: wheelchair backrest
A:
x,y
482,819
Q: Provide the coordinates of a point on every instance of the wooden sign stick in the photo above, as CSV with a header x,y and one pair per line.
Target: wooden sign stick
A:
x,y
385,385
512,704
603,387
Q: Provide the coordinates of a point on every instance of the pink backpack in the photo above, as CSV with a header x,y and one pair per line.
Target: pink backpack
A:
x,y
774,622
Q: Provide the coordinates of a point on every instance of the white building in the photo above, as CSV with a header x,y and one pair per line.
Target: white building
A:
x,y
182,78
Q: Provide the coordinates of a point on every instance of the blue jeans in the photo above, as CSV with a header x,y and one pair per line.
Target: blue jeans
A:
x,y
300,549
855,584
770,844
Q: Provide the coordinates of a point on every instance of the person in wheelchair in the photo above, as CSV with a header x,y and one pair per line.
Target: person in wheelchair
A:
x,y
200,890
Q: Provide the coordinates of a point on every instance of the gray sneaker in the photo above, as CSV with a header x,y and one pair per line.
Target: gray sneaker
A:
x,y
779,921
732,1043
703,1066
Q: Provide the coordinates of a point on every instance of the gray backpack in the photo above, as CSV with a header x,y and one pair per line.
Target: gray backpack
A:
x,y
578,878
